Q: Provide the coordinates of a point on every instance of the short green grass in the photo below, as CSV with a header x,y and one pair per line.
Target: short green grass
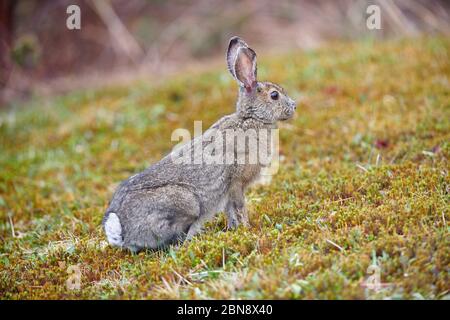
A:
x,y
364,180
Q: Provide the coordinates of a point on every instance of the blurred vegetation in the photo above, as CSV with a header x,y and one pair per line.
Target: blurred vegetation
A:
x,y
157,37
26,52
364,180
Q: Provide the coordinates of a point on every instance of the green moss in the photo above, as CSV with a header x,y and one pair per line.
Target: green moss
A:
x,y
364,180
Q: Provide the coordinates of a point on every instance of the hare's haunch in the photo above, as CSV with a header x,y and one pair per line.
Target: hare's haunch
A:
x,y
170,201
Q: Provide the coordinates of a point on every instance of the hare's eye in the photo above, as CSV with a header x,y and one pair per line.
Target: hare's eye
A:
x,y
274,95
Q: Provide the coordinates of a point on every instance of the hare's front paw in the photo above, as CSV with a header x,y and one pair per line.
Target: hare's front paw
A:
x,y
243,217
236,218
232,222
235,208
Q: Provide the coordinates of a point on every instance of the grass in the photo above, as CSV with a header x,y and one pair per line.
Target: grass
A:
x,y
364,181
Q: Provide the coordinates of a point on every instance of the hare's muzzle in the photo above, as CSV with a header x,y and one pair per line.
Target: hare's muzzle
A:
x,y
292,105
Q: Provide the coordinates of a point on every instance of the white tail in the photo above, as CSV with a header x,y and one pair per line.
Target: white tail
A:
x,y
113,230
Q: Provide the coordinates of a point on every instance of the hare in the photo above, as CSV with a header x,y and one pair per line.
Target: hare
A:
x,y
171,200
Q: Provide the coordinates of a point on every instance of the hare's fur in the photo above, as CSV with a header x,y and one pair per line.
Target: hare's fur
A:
x,y
169,202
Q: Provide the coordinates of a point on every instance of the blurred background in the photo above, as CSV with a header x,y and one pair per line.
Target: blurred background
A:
x,y
121,40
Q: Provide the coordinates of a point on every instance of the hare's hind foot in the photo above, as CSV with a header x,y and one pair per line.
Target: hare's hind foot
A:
x,y
161,217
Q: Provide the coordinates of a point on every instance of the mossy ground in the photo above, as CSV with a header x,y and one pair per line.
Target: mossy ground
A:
x,y
364,180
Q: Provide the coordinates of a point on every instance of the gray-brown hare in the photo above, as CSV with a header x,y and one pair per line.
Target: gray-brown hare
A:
x,y
170,201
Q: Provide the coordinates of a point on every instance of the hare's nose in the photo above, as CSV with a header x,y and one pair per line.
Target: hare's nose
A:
x,y
294,104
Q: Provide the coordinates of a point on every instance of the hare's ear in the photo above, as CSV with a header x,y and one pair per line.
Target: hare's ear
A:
x,y
241,62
